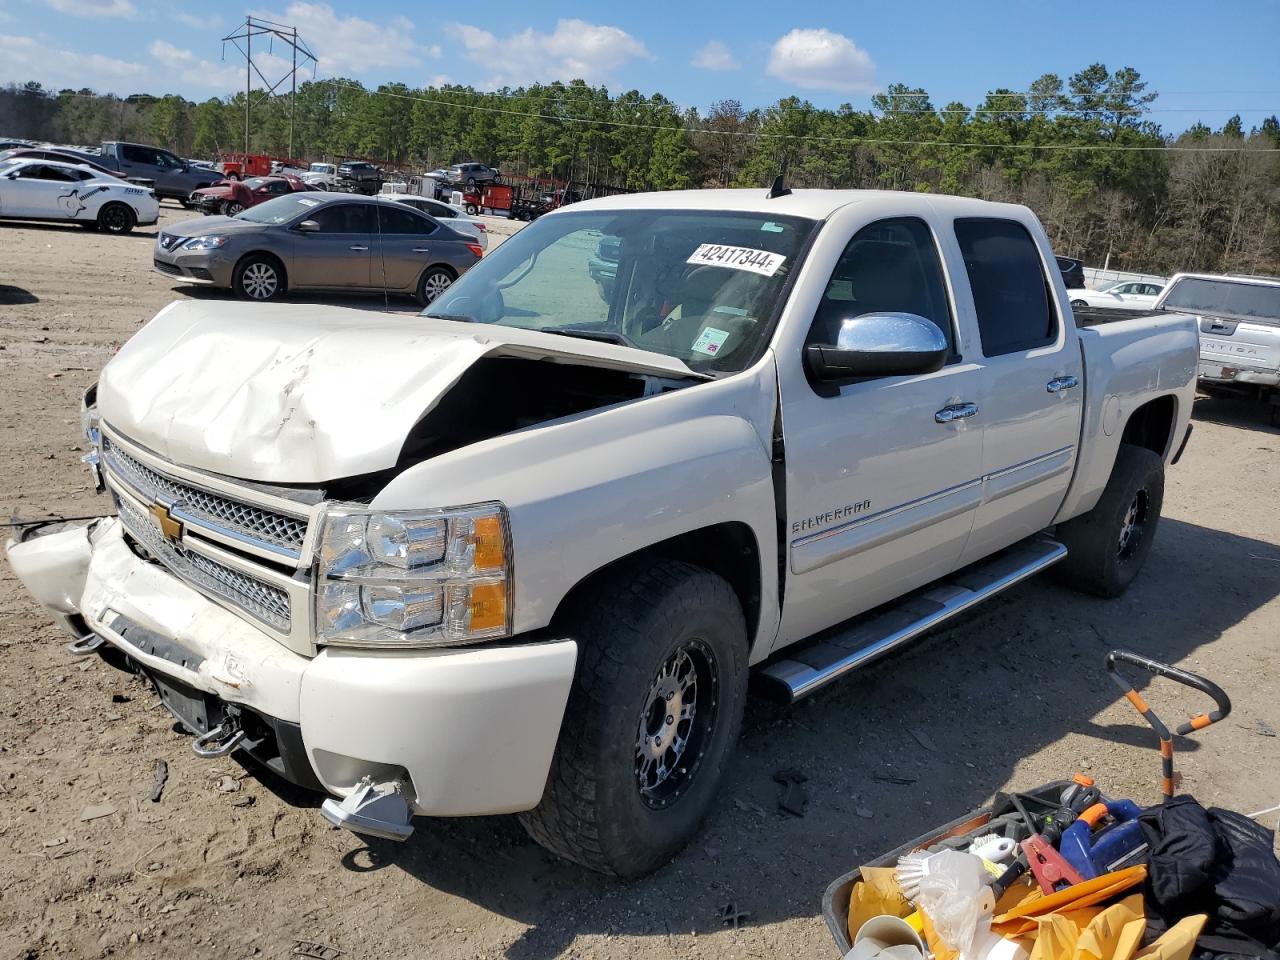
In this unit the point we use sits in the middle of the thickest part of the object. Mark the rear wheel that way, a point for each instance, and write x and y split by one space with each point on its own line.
116 218
435 281
1078 304
654 712
1106 547
258 278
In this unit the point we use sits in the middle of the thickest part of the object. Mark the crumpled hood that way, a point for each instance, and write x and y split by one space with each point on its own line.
301 393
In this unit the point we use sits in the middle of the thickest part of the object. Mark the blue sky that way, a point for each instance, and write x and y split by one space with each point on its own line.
1208 60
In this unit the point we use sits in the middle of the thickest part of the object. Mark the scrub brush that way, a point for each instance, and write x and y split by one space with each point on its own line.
913 868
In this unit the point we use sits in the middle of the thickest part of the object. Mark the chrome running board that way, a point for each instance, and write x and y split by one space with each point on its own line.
809 665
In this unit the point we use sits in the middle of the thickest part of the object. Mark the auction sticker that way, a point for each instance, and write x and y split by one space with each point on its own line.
710 341
737 258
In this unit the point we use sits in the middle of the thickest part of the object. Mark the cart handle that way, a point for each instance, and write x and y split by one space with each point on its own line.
1198 722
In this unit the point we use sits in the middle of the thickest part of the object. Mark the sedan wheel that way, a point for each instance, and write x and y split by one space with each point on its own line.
231 208
115 218
434 282
1078 304
258 279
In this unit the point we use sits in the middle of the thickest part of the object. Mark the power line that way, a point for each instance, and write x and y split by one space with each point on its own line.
866 141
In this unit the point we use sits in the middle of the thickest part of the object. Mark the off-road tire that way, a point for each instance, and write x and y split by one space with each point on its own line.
249 280
628 629
116 218
1100 559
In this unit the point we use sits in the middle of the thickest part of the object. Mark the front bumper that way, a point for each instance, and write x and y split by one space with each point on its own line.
470 730
206 267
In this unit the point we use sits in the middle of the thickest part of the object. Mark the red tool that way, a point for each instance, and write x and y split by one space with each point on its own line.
1048 865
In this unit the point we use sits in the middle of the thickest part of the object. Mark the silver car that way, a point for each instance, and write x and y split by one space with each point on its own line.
313 241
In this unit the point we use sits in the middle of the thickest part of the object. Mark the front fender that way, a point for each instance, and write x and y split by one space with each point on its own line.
585 491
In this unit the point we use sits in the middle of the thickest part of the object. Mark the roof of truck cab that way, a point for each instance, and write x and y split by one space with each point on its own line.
813 204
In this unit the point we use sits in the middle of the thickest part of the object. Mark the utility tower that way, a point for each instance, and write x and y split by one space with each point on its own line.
272 31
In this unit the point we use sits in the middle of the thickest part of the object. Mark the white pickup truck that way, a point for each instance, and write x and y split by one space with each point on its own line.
1239 321
522 554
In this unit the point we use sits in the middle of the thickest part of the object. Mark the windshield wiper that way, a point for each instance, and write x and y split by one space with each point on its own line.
604 336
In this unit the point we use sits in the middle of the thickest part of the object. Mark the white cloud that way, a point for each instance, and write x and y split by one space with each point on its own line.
24 58
715 56
94 8
202 22
574 50
352 45
218 77
822 60
439 80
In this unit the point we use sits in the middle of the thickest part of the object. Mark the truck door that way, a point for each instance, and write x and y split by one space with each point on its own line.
882 475
1032 382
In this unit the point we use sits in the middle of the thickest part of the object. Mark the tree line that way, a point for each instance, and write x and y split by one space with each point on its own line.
1084 153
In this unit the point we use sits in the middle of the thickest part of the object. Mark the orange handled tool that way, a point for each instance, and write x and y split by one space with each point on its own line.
1198 722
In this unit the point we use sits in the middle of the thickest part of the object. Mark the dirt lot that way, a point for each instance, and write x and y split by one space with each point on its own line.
233 864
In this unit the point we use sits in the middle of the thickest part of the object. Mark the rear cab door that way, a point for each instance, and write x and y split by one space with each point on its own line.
1031 370
404 246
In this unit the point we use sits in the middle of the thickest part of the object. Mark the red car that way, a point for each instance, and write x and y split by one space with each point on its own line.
229 197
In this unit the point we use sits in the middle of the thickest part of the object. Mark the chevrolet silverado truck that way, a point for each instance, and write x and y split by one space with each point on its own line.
523 554
1239 320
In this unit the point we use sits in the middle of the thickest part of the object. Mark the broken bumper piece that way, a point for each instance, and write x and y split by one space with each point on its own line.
373 809
463 732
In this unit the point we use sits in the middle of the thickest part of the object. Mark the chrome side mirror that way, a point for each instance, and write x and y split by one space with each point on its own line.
880 345
309 226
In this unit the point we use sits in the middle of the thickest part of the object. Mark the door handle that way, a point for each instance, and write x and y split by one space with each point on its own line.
956 411
357 247
421 250
1058 384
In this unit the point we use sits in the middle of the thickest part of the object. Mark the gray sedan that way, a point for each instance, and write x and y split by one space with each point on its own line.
333 242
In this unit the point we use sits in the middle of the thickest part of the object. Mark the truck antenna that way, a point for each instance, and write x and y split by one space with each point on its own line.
778 190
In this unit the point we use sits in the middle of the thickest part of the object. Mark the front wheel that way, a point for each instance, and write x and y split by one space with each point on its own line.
435 281
258 278
1106 547
116 218
655 709
231 207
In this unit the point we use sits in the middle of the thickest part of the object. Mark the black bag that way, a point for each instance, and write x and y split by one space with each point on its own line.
1218 863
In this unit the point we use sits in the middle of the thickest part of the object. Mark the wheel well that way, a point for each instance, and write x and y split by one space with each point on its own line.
266 255
1151 425
117 203
439 266
727 549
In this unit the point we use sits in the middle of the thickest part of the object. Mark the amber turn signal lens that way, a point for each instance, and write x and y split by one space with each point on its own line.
488 606
491 548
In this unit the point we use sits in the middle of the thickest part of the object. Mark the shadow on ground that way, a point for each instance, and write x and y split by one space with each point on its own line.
1018 674
1245 412
16 296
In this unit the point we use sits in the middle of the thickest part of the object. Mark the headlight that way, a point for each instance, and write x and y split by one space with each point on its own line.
421 578
205 243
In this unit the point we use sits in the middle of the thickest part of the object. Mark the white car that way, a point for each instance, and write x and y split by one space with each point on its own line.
455 217
323 176
1125 295
51 190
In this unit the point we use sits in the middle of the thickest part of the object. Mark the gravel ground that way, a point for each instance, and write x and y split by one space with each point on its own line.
232 863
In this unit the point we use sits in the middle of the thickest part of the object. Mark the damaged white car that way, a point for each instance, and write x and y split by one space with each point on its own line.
522 554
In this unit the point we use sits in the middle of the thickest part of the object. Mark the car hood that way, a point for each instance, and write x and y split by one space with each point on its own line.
223 191
204 226
299 393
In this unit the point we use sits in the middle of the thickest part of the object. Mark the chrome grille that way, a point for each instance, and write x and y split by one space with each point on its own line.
258 525
267 602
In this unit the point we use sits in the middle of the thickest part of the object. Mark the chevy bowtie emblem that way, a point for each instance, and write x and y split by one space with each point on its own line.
170 528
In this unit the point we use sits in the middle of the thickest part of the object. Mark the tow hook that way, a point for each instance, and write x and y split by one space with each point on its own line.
373 809
219 741
83 646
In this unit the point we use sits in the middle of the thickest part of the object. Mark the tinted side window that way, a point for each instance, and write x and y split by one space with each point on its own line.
1010 293
888 266
345 218
139 155
403 220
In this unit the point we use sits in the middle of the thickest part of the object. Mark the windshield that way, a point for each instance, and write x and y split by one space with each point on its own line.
700 286
253 183
321 168
1226 298
278 210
